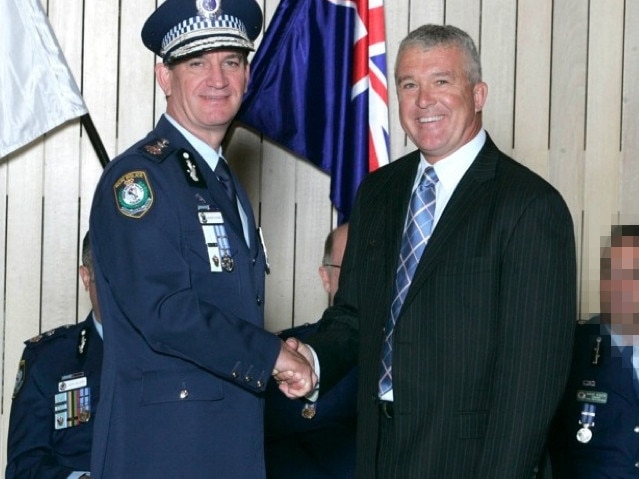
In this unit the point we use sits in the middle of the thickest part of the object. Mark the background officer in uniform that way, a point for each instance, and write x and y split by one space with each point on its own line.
596 431
180 270
49 436
306 440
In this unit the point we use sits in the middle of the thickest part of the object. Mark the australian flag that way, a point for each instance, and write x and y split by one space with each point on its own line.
318 88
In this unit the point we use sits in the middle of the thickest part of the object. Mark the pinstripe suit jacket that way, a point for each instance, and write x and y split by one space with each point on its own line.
482 346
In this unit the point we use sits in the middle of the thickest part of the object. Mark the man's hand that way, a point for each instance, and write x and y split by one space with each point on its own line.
294 370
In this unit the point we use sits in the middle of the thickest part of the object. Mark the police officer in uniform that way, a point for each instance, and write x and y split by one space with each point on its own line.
56 396
180 269
314 440
596 431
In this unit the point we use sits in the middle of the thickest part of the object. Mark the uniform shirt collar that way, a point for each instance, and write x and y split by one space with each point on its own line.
209 154
98 325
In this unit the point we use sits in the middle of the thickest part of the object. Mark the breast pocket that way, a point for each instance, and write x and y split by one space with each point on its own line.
185 385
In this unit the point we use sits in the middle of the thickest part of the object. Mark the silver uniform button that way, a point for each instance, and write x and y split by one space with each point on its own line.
184 393
636 429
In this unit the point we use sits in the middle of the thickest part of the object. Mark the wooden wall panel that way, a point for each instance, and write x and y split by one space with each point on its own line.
277 217
568 107
22 262
630 119
313 221
397 27
603 130
135 76
562 99
532 84
497 44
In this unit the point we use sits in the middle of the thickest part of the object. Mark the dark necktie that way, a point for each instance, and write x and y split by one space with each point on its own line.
223 173
418 227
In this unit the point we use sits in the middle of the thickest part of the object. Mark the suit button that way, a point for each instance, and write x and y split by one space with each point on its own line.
184 393
248 379
259 301
636 429
259 384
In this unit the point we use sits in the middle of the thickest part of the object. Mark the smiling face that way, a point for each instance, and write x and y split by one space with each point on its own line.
205 92
439 109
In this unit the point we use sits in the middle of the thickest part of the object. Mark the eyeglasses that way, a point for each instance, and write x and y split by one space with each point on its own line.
332 265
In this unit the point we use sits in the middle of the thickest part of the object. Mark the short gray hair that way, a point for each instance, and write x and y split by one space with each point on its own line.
431 36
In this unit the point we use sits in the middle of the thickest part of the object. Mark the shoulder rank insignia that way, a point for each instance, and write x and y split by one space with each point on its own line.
19 378
156 149
38 337
133 194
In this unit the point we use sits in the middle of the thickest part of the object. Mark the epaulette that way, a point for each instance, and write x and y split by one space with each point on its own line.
156 149
48 335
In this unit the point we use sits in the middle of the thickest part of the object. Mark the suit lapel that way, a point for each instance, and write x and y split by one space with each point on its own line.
458 210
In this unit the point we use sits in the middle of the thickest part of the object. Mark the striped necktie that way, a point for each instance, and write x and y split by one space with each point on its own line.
419 224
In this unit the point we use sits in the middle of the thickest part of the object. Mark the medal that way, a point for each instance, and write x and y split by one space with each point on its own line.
584 435
587 421
227 263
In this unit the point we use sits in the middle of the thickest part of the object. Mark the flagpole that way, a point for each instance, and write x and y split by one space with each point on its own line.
95 139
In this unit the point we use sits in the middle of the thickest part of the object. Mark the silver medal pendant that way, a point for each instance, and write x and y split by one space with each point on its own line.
584 435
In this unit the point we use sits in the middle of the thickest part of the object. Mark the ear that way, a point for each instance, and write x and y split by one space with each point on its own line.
248 77
85 275
163 77
325 277
480 92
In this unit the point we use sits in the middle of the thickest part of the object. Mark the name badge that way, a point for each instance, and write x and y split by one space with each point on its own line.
216 241
596 397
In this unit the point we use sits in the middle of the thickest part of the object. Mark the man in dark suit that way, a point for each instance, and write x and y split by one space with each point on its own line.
180 270
478 350
596 431
314 440
49 432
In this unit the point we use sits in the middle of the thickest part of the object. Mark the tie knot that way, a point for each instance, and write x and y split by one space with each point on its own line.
222 170
429 178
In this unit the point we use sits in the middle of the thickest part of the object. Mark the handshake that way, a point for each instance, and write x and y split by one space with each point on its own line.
295 369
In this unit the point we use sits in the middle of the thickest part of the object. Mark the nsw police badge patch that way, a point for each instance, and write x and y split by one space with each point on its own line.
133 194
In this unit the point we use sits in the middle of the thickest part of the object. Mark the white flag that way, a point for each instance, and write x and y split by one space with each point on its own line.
37 90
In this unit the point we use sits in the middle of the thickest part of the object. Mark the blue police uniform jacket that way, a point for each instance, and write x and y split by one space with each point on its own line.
602 384
42 444
186 358
319 447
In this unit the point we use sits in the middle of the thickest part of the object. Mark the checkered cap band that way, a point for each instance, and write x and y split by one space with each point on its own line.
197 26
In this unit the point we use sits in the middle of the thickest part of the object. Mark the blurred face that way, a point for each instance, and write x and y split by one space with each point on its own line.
330 273
89 285
204 93
620 292
439 110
